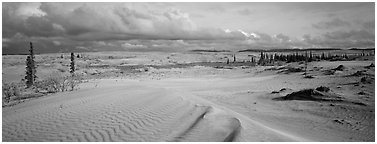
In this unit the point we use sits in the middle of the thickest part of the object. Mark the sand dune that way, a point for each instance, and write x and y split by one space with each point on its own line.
132 111
115 114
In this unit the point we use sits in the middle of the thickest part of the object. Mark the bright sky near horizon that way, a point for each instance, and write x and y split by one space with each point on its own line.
57 27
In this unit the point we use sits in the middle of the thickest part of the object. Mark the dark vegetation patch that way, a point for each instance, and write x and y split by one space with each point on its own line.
281 90
366 80
359 103
340 68
332 71
359 73
361 93
329 72
288 70
323 89
370 66
309 76
294 69
310 95
274 92
319 94
274 68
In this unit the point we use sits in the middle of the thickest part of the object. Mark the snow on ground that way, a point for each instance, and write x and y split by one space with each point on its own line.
202 104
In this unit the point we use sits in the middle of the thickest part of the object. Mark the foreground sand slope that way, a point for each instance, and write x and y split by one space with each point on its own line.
127 111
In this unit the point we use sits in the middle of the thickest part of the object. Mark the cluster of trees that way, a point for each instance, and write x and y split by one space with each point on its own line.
266 58
31 77
234 59
54 83
307 56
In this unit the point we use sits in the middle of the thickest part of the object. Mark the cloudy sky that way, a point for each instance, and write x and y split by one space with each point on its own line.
61 27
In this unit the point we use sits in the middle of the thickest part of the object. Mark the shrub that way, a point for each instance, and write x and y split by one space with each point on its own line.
54 83
57 82
10 90
74 80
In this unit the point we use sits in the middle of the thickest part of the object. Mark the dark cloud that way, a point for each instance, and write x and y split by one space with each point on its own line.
64 27
96 22
32 25
334 23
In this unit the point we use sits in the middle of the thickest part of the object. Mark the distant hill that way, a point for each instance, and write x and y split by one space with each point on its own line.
362 49
289 50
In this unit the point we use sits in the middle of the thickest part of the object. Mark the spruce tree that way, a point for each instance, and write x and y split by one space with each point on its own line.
72 69
261 59
30 68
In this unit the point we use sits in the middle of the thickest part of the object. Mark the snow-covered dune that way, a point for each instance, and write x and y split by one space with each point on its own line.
136 113
129 111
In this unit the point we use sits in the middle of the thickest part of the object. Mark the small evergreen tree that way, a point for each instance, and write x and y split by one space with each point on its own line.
261 59
72 69
30 68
